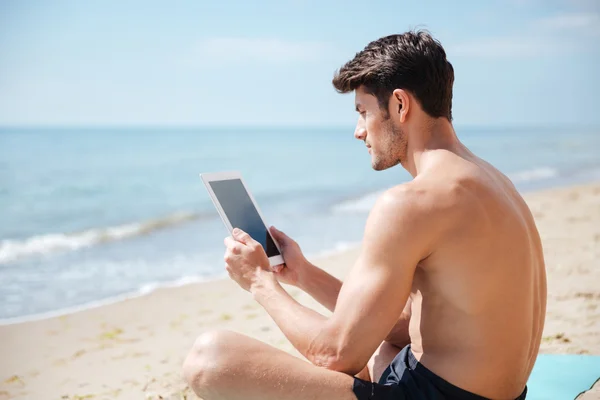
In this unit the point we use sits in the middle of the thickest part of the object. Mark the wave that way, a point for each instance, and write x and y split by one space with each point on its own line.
142 291
183 281
534 174
147 288
338 248
361 204
365 203
11 250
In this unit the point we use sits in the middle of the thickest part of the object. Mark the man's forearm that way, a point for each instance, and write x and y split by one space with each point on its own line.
325 289
299 324
321 286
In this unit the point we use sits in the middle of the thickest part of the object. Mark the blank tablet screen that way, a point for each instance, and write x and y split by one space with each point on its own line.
241 213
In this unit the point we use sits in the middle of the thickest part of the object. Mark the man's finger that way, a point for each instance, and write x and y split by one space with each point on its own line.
231 243
278 268
230 271
233 246
282 239
277 235
242 236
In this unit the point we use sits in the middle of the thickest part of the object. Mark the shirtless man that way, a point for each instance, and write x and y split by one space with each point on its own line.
448 296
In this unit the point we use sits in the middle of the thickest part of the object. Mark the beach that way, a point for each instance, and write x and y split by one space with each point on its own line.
134 349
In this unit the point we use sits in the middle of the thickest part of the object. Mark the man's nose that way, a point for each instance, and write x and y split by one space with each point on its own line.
360 132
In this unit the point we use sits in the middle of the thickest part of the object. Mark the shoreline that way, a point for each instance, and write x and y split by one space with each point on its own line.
61 312
135 347
182 281
43 243
144 291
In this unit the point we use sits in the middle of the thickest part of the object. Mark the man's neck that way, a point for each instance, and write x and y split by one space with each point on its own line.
425 136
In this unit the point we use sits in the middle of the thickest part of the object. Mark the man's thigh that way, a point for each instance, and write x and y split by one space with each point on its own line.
233 366
379 361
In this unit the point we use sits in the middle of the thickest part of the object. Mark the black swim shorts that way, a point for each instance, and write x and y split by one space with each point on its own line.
406 378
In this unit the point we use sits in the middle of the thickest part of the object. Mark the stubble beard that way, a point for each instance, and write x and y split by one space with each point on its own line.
392 150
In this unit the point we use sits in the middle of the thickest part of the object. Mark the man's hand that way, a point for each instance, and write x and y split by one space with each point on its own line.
296 266
246 261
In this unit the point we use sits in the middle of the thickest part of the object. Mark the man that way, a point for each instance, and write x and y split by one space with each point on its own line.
447 298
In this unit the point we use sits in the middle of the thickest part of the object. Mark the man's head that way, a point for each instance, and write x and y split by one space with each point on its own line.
400 81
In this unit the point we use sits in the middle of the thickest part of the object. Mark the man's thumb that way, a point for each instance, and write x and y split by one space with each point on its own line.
279 236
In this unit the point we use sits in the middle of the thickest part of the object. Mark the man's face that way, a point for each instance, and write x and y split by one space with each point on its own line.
380 131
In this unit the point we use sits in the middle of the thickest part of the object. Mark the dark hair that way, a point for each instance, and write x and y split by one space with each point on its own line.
413 61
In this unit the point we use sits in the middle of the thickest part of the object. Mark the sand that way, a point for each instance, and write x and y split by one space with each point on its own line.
134 349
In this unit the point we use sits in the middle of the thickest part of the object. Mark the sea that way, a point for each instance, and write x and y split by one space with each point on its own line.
90 216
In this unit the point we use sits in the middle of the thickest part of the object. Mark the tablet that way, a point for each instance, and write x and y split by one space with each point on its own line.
238 209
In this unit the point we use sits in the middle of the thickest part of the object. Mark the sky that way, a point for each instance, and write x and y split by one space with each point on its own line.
270 63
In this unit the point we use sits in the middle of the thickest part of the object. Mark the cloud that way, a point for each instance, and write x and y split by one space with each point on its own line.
582 5
560 34
588 5
226 50
504 47
579 23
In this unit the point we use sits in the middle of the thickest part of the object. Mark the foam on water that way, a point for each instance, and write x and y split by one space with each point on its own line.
11 250
365 203
533 174
142 291
78 226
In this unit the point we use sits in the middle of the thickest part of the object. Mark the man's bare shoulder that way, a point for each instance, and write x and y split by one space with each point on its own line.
420 207
399 227
402 201
424 199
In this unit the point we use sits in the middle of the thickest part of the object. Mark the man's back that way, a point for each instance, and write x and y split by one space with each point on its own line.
478 301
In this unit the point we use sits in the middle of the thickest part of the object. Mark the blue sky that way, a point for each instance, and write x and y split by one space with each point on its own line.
188 63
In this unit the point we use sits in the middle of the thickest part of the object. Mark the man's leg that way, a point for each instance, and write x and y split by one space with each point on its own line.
228 365
379 361
386 351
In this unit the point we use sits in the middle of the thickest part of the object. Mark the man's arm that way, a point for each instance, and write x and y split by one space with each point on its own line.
321 286
299 272
325 289
399 335
399 233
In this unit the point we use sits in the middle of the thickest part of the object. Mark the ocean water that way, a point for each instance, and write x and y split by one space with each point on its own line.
94 215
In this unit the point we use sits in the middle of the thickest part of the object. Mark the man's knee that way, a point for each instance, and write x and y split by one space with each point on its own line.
207 360
389 348
381 359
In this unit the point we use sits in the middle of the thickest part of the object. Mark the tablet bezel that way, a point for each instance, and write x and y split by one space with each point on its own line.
229 175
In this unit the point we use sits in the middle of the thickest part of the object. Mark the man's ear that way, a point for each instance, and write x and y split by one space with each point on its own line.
401 101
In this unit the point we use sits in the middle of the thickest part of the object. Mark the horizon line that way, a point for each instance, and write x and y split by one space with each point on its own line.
257 126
